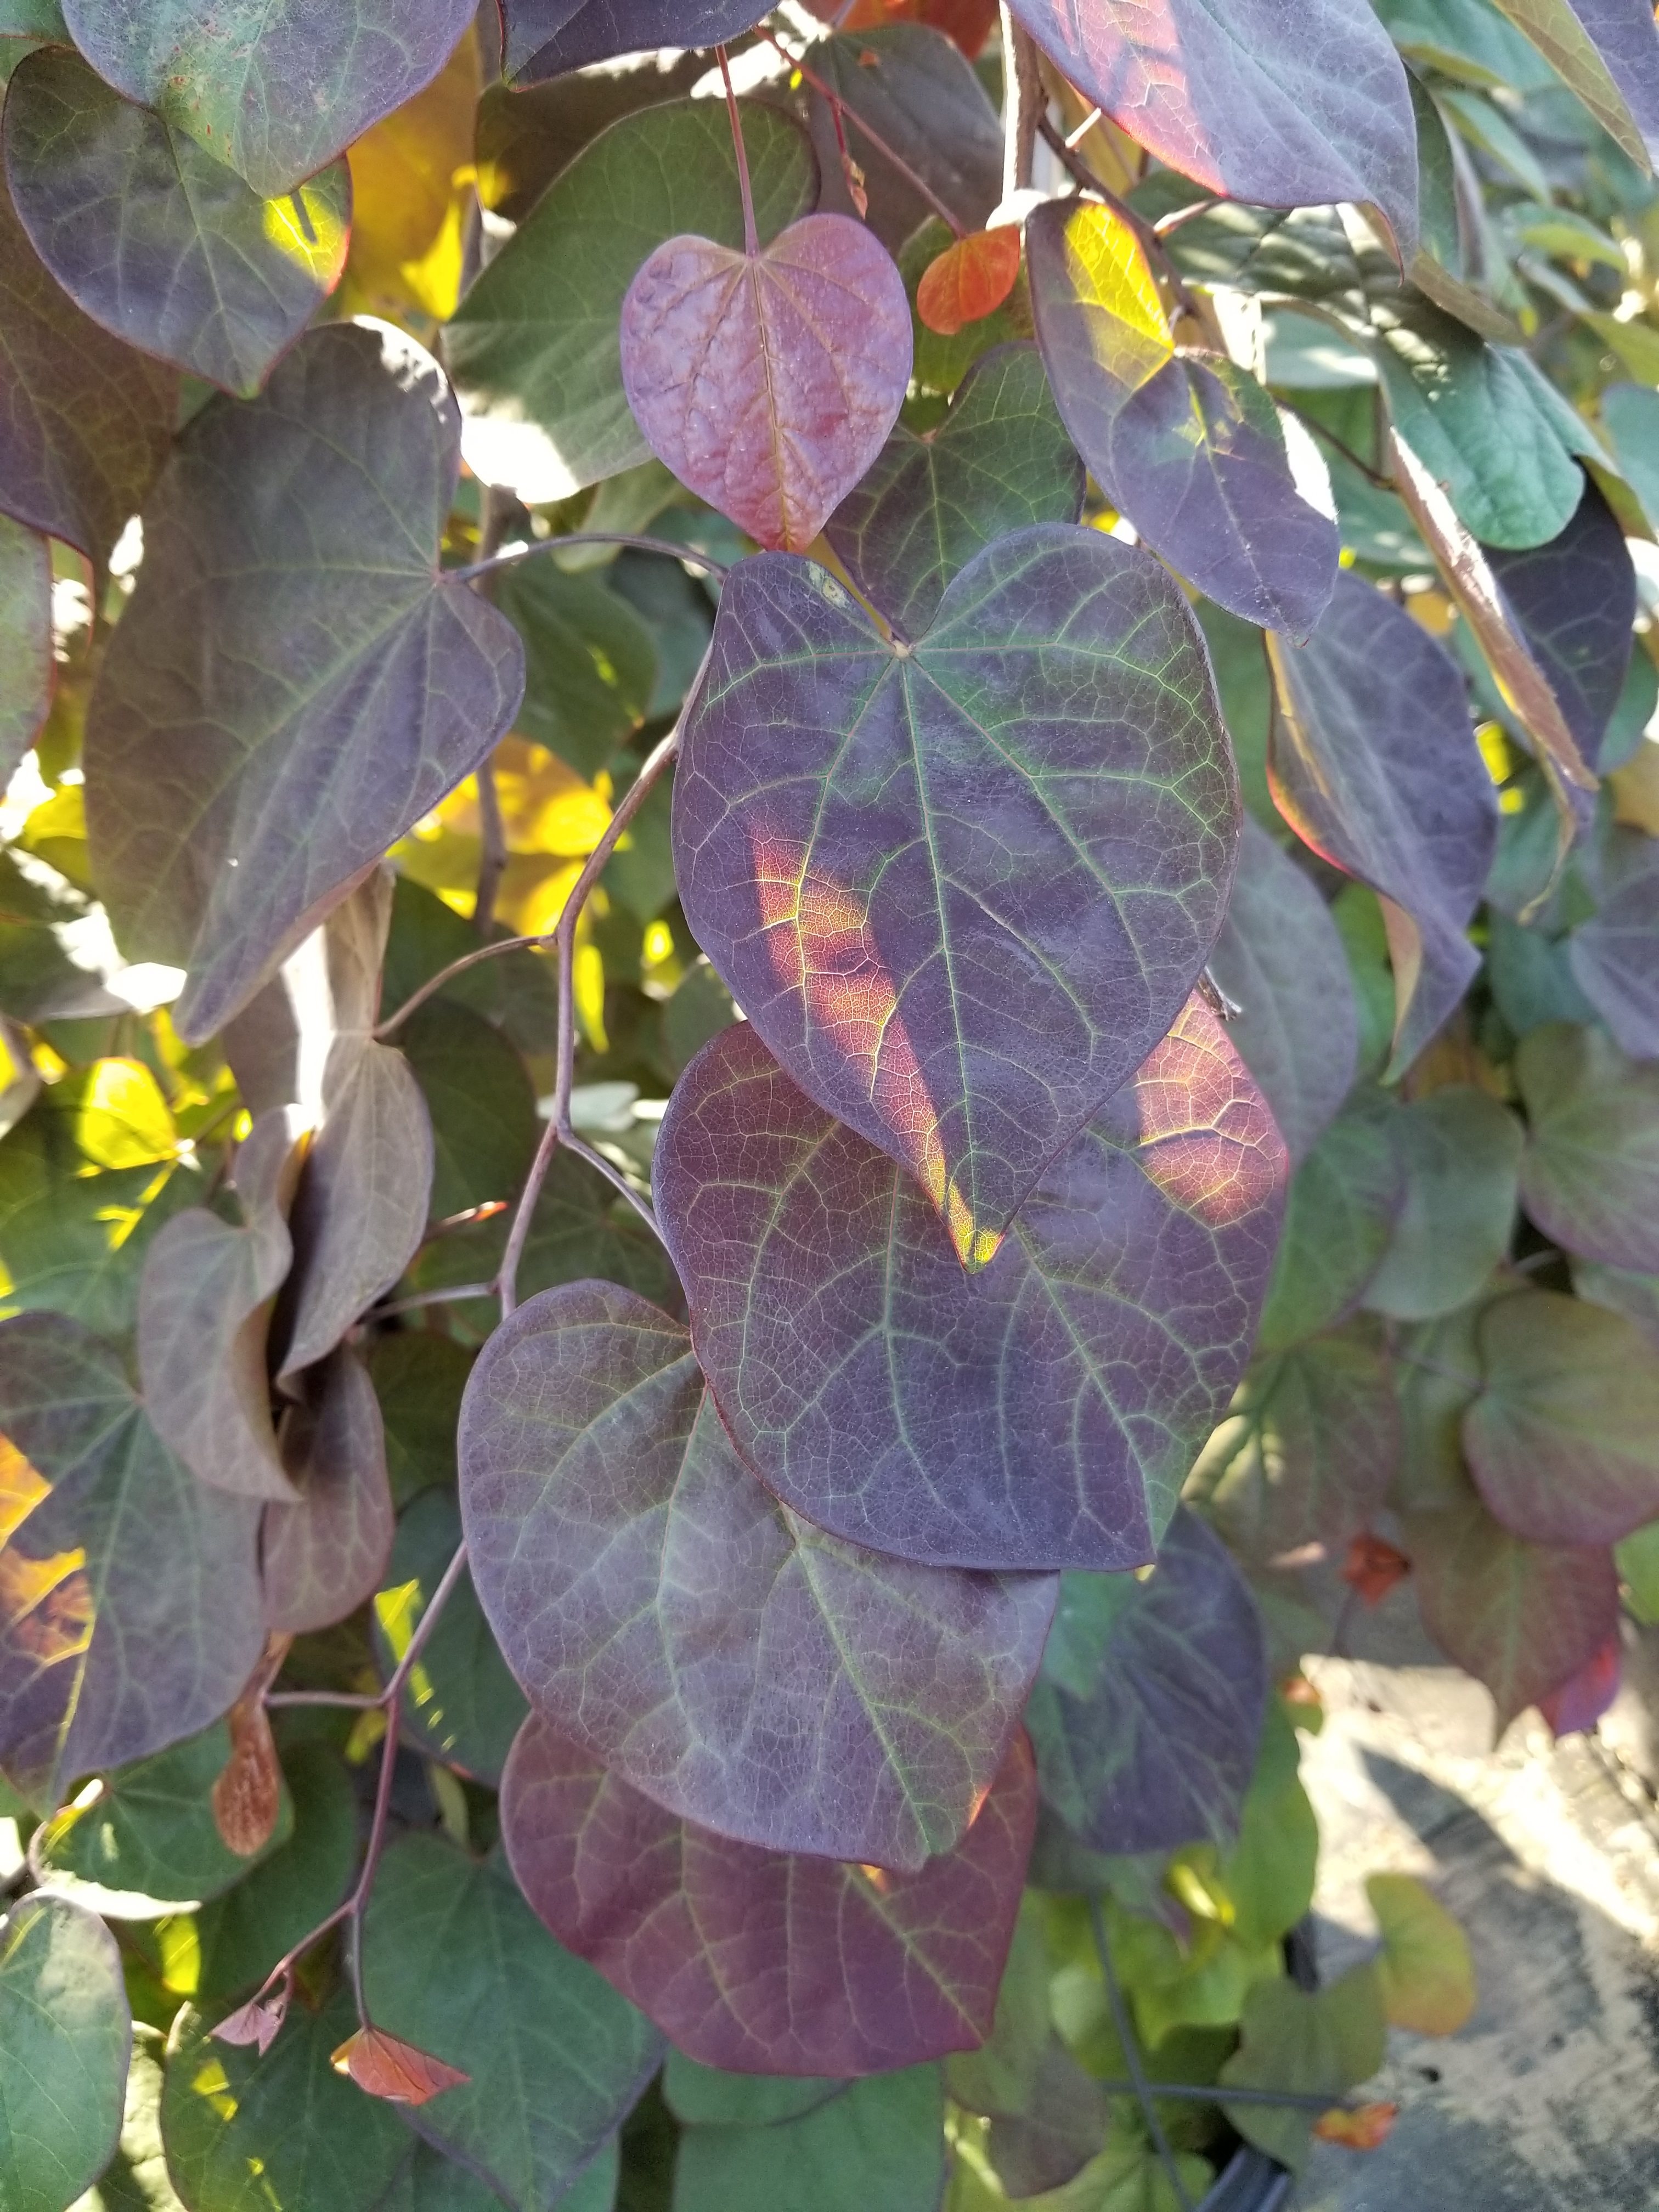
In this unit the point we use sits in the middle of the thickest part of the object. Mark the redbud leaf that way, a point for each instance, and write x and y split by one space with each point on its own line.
84 420
320 1557
1460 1151
383 2065
26 661
590 662
752 1959
546 38
963 996
455 1961
155 237
922 96
1425 1970
258 2021
429 2182
248 1795
1280 961
67 2034
1147 1713
130 1609
1560 1442
613 1530
1373 763
1630 416
1521 1618
333 685
275 93
1248 101
482 1104
768 381
534 348
1608 52
1040 1413
999 461
1614 956
1576 1707
1339 1215
1589 1175
879 2142
1310 2043
243 1933
970 279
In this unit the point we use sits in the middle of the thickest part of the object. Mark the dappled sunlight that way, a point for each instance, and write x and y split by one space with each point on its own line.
1207 1139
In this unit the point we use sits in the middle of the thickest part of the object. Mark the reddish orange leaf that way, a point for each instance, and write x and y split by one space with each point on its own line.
970 279
256 2022
1373 1566
1362 2129
248 1795
386 2067
967 23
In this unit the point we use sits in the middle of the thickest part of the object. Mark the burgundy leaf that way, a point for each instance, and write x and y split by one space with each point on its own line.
247 1797
258 2021
768 381
1291 107
1576 1707
322 1557
386 2067
1040 1413
546 38
1622 93
754 1961
1373 764
738 1665
971 892
1589 1174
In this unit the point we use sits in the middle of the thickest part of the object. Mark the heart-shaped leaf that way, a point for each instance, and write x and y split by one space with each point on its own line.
26 661
1425 1970
547 38
999 461
334 687
130 1609
155 237
665 1614
455 1962
754 1959
970 279
1614 956
1187 447
1147 1711
1339 1218
84 420
1311 2043
277 92
1280 961
1560 1442
1459 1149
1042 1413
965 901
534 349
204 1305
768 380
320 1558
383 2066
67 2034
1373 764
1255 103
1630 423
1589 1175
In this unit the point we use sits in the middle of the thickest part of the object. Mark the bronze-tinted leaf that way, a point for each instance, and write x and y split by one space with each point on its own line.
386 2067
768 380
292 661
973 891
257 2022
754 1961
724 1656
320 1558
1040 1413
247 1797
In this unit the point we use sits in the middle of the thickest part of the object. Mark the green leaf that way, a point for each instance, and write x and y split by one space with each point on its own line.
1340 1214
419 1377
243 2133
533 348
137 2180
482 1105
66 2034
1462 1152
879 2142
155 239
1589 1175
130 1612
1000 2077
428 2182
706 2096
26 662
455 1961
240 1935
1555 29
1329 2041
1630 422
590 661
1426 1974
1268 1875
1637 1559
334 685
146 1843
461 1704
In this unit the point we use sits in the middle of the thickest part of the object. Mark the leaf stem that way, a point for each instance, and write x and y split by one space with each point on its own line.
1024 103
689 554
1126 2036
826 91
433 984
751 235
442 1297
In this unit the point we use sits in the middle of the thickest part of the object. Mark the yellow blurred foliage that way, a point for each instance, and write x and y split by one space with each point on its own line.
411 179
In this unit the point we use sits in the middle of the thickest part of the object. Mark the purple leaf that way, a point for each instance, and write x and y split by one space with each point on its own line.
204 1307
756 1961
545 38
768 381
1040 1413
1147 1711
129 1607
277 92
1062 2128
1280 961
1589 1175
155 238
922 96
26 658
730 1660
971 892
292 656
323 1556
1614 956
1373 764
1561 1439
1291 108
84 420
999 461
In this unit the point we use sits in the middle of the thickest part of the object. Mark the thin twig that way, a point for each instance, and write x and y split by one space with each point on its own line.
1126 2036
583 1151
433 984
1190 2092
1024 102
689 554
827 91
351 1699
419 1298
751 235
1336 444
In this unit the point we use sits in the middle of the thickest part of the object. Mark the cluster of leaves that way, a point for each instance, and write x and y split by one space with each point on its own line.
595 1597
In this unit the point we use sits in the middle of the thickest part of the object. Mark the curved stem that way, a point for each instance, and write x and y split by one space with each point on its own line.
433 984
750 236
440 1297
689 554
596 1159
